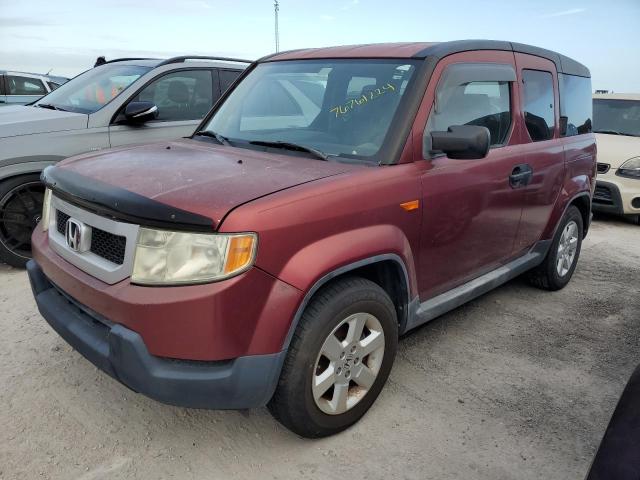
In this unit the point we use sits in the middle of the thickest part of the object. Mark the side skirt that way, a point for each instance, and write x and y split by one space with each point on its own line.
420 313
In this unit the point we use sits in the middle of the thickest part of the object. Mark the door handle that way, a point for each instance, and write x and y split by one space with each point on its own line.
521 175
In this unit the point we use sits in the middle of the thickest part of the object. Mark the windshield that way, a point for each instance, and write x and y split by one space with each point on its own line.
93 89
616 116
341 108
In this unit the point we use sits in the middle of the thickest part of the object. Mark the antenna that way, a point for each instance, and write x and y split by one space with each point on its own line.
276 8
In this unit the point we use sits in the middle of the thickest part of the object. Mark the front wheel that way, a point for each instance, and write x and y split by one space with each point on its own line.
558 266
339 358
20 211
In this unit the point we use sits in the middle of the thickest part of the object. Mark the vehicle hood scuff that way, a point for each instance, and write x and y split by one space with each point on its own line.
202 178
20 120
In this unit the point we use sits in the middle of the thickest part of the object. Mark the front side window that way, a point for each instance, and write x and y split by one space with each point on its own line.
17 85
93 89
184 95
616 117
227 77
481 103
343 108
538 104
575 105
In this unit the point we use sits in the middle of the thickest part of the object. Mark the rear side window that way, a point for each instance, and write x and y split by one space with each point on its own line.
538 104
17 85
486 104
575 105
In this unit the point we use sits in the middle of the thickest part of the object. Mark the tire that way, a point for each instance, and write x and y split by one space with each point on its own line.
635 219
20 211
333 312
549 275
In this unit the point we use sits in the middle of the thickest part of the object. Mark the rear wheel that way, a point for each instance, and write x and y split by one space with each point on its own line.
557 268
20 211
339 358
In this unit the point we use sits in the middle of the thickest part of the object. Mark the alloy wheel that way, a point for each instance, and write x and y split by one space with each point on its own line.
567 248
348 363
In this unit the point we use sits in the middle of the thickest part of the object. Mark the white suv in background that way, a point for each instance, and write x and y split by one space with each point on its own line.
18 88
119 103
616 122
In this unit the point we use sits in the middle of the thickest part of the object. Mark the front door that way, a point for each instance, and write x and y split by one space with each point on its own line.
183 98
471 209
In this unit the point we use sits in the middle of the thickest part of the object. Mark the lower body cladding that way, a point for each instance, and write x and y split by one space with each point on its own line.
244 382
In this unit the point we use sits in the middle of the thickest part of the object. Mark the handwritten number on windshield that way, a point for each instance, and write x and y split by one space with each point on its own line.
362 100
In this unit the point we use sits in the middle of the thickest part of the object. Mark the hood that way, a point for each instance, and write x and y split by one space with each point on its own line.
21 120
616 149
198 177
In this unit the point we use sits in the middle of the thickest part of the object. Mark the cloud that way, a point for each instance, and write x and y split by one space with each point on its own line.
350 4
564 13
23 22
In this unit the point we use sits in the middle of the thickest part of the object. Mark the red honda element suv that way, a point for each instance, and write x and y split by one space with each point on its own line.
332 200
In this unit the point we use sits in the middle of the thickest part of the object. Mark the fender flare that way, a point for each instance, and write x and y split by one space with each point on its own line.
564 212
340 271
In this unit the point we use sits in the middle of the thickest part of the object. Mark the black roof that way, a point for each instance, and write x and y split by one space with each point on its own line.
563 63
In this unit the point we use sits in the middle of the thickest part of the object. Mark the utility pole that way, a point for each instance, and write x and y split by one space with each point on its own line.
276 8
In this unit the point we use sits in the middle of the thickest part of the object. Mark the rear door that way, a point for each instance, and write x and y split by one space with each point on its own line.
183 98
22 89
470 210
542 146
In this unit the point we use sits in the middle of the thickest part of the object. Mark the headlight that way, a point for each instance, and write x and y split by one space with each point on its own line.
169 258
630 168
46 208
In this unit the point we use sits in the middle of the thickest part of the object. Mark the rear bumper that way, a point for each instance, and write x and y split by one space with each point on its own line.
244 382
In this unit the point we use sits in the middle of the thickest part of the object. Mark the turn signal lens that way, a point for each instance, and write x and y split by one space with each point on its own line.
239 253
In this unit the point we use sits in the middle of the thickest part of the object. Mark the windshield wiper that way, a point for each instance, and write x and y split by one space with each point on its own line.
50 107
220 138
292 146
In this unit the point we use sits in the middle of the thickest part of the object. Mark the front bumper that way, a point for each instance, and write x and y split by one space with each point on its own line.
244 382
617 195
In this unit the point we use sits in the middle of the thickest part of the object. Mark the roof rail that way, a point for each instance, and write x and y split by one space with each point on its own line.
124 59
184 58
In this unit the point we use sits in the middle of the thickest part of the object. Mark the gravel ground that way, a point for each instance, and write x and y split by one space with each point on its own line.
517 384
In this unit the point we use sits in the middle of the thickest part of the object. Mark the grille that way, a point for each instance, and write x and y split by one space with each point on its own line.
108 246
603 167
61 222
603 195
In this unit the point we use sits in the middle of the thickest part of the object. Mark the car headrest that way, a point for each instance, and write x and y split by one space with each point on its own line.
178 92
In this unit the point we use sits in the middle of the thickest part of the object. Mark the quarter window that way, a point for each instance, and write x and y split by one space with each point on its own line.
575 105
24 86
485 104
184 95
539 104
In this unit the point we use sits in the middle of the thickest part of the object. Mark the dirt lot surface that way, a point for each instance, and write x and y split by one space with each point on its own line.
517 384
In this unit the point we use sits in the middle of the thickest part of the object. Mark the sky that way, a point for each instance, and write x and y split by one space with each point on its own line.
65 36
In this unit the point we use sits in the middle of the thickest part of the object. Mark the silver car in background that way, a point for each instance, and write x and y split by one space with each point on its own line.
20 88
119 103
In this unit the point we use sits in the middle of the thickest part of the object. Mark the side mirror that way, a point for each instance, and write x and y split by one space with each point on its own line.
140 112
462 142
